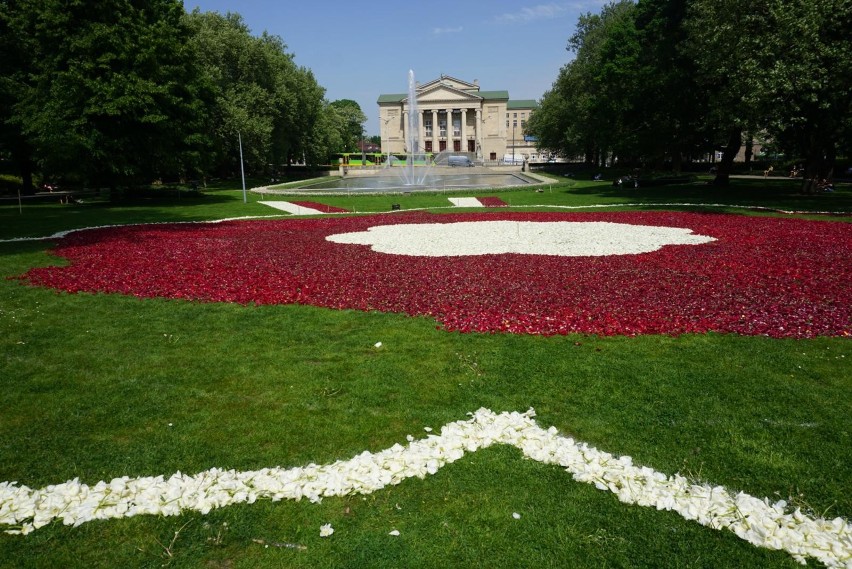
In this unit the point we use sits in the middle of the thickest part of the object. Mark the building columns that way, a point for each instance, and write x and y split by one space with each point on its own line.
464 130
405 131
421 131
436 131
478 134
450 129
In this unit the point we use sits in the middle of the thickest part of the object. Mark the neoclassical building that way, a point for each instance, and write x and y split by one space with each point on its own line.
458 116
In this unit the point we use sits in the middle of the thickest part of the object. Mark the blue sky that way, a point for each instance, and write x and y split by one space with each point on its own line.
360 50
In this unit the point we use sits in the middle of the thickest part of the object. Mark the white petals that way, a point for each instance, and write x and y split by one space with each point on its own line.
563 238
755 520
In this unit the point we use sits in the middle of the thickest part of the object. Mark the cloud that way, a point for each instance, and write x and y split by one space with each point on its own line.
441 31
548 11
540 12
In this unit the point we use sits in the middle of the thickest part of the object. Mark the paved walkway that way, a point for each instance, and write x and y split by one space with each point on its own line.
295 209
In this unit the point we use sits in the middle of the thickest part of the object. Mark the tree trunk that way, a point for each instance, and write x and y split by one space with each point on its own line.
819 154
22 156
677 161
723 168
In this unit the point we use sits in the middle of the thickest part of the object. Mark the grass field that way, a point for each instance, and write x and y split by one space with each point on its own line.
102 386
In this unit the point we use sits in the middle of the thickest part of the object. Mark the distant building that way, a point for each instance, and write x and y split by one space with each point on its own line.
458 116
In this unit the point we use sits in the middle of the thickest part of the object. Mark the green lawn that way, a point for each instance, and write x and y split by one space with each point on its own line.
102 386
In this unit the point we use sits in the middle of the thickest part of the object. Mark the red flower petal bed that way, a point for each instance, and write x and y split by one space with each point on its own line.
492 201
762 276
325 208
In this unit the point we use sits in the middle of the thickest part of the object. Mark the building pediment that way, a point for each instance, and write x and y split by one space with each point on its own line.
451 82
444 93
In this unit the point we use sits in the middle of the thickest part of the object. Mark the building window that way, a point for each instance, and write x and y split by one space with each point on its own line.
507 123
516 116
442 126
457 126
427 124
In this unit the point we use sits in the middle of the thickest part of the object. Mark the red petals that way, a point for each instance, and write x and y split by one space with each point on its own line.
321 207
762 276
492 202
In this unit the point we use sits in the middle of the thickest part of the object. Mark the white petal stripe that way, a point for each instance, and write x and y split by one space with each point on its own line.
755 520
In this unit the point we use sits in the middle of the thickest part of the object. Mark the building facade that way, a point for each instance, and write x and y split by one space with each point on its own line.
457 116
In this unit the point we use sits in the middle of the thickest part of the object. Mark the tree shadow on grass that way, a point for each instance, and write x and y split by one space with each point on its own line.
43 219
773 194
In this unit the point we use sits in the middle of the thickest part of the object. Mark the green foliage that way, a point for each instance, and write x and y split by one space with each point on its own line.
674 79
109 97
352 123
584 112
259 95
123 93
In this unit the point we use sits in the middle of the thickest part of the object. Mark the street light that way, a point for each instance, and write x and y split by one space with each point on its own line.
514 124
386 137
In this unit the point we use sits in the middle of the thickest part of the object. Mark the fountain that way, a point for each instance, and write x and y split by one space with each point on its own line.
420 172
413 139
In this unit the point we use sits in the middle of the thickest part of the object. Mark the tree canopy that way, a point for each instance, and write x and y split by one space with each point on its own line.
127 91
352 119
658 81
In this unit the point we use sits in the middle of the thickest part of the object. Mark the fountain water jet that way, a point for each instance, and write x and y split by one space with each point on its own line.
413 151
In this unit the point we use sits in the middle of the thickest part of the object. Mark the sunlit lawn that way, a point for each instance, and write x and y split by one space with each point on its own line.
101 386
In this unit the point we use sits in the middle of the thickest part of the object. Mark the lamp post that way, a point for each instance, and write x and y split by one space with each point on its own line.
242 168
385 136
514 124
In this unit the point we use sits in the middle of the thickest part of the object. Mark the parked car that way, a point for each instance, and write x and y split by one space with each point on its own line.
459 161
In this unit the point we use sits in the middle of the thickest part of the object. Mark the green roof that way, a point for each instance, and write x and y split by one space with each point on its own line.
522 104
492 94
487 95
393 98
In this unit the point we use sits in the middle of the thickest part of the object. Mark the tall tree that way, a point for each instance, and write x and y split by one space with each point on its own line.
781 64
671 106
15 69
589 109
352 125
110 98
260 95
241 106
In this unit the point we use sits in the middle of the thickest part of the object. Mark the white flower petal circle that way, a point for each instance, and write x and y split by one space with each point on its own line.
563 238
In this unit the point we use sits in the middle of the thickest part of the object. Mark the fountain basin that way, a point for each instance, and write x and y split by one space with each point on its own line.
433 181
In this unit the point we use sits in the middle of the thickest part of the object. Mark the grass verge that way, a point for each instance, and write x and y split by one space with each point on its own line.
100 386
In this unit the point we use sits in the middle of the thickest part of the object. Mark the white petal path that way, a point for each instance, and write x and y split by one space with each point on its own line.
755 520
